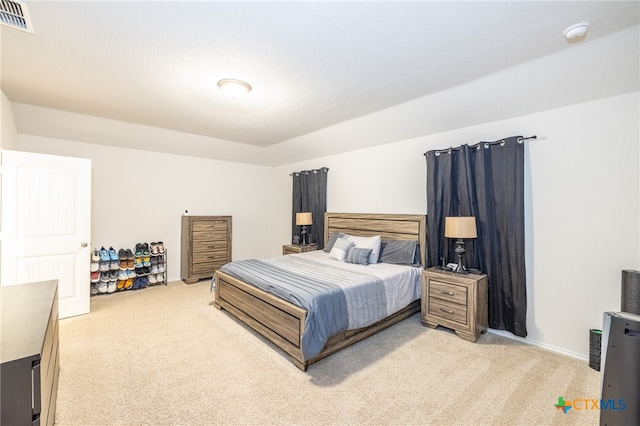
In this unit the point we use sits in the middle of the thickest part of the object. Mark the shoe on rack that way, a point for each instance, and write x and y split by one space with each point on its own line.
104 266
138 262
94 266
139 272
153 248
94 289
160 246
154 269
104 255
146 270
146 262
138 251
128 284
161 267
114 265
112 254
122 275
154 260
95 276
143 282
130 255
102 287
160 278
145 249
95 256
112 286
152 279
131 273
122 254
131 264
120 284
123 264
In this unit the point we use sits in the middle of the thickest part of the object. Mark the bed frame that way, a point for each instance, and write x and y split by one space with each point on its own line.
283 323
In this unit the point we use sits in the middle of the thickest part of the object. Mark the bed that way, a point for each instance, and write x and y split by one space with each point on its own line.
284 322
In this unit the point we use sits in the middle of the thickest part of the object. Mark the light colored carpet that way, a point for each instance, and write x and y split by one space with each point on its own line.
165 356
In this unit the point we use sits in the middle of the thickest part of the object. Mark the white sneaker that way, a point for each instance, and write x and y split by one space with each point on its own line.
152 279
160 278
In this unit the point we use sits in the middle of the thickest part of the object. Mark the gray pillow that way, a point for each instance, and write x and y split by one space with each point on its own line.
399 252
358 255
332 240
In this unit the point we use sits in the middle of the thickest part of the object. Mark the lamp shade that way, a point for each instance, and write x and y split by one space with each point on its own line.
303 218
460 227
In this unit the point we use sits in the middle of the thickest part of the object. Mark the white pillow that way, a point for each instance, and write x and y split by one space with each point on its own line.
372 243
340 249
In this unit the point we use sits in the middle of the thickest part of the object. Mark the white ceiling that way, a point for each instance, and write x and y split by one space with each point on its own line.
311 64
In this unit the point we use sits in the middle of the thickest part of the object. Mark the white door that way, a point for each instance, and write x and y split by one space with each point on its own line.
46 225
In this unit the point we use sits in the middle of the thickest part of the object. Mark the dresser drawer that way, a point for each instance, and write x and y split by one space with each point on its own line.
209 235
448 310
209 256
209 247
206 268
209 225
448 292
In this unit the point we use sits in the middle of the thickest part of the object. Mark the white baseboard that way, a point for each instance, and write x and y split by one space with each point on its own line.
508 335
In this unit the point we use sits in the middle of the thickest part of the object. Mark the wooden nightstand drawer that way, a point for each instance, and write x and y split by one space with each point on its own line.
292 249
448 310
449 292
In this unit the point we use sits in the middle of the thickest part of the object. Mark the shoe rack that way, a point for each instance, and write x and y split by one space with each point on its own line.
128 269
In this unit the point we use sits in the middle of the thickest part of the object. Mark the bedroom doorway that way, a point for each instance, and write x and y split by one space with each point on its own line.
46 225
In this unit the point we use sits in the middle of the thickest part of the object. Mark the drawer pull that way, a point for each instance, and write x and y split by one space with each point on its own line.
448 311
448 293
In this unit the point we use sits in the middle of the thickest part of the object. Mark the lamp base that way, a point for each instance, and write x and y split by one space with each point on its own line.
460 251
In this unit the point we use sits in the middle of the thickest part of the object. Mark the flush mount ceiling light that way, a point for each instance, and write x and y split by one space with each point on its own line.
235 89
577 30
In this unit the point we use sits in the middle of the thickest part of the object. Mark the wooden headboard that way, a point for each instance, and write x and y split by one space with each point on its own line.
388 226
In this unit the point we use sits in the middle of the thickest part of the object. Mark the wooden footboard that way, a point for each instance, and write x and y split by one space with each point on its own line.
279 321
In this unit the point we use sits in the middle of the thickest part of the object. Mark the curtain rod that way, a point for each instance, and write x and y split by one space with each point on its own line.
321 169
485 144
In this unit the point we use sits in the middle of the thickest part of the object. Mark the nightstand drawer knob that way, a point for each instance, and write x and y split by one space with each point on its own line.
449 293
449 311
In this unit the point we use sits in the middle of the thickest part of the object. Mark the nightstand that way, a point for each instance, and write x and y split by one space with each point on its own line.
455 301
294 248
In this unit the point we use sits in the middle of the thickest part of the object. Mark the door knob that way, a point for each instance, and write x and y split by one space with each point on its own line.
83 245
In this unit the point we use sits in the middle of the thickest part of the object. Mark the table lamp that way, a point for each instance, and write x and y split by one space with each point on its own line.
460 227
303 219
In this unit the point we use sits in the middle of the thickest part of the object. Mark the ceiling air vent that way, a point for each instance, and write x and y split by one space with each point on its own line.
15 14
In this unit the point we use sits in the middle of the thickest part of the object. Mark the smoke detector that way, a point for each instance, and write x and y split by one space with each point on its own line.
14 13
577 30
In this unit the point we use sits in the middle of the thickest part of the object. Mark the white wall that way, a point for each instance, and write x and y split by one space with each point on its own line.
140 196
582 204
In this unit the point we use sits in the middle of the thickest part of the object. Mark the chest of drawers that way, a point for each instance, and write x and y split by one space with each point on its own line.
455 301
205 246
30 360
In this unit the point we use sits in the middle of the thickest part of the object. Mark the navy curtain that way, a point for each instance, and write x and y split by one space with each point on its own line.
485 180
310 195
